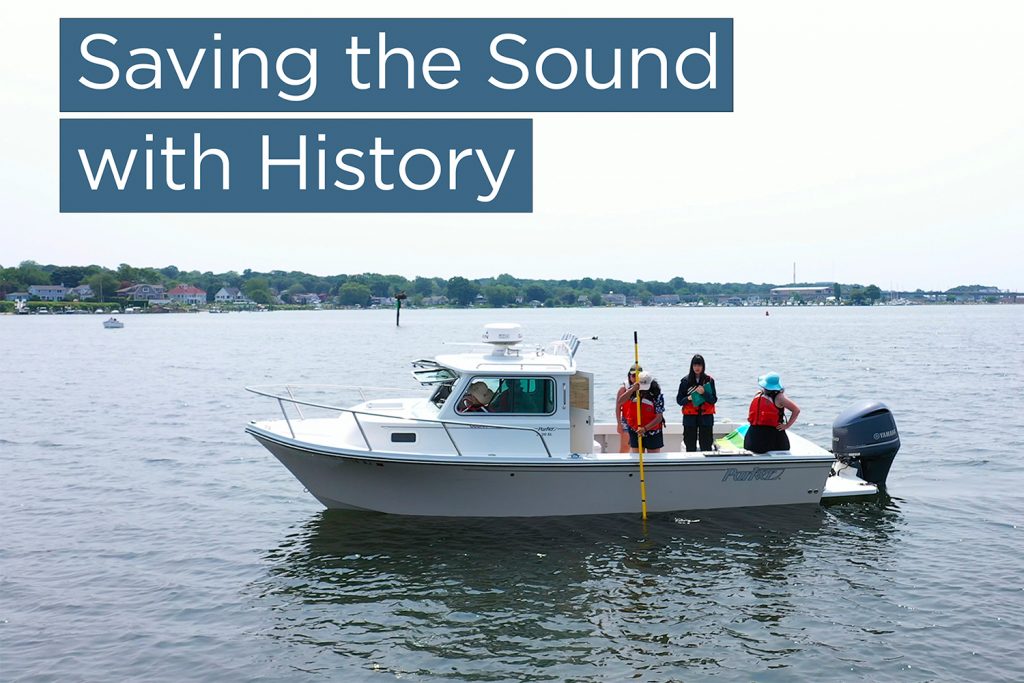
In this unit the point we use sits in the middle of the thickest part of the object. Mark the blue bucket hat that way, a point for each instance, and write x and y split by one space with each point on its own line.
770 381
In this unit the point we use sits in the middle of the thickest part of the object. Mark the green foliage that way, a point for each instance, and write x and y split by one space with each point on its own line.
258 289
536 293
500 296
104 285
354 294
356 289
462 291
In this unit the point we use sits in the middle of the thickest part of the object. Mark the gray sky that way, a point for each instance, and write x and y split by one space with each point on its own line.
874 142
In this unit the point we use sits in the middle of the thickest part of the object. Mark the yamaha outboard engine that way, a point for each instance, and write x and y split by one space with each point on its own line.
865 437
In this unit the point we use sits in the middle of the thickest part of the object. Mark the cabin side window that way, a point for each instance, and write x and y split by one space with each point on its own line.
509 396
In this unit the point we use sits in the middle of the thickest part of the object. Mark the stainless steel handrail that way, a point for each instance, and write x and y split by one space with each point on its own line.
391 416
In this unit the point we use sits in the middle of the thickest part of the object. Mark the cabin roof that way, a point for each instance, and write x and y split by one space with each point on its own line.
516 362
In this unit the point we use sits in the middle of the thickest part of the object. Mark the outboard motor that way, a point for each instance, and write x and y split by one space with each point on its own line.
865 437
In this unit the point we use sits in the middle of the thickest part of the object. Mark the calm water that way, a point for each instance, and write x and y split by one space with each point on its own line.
144 536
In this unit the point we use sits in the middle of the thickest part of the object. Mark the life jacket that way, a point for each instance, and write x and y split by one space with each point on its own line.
764 413
704 408
647 412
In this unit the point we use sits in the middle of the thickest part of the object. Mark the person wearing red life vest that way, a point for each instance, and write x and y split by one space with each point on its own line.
697 396
652 407
621 396
767 416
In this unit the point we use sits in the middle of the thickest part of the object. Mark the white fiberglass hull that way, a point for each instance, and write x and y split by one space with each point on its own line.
459 486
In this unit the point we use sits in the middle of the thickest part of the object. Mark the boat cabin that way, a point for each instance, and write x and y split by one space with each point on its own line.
507 400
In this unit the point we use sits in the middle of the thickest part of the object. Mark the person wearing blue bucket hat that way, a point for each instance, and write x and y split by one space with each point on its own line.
767 416
770 381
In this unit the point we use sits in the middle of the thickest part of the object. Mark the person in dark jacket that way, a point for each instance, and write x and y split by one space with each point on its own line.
697 396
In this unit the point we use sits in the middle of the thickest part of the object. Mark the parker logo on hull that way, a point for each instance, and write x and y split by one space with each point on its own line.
758 473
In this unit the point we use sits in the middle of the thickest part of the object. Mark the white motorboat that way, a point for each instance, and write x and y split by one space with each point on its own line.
528 446
113 324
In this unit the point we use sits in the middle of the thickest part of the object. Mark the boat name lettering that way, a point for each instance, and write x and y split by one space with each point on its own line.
758 473
885 435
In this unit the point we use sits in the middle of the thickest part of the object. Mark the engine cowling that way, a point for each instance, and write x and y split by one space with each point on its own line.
865 436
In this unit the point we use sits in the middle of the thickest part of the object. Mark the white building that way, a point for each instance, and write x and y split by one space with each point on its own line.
231 295
48 292
187 295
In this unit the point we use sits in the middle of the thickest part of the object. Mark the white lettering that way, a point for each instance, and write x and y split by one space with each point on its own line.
154 82
120 177
428 67
616 80
309 77
355 52
198 154
709 55
495 182
573 68
403 172
524 73
115 73
300 162
384 54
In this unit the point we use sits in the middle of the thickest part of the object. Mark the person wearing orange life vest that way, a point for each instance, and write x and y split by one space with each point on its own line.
621 396
767 416
697 395
652 408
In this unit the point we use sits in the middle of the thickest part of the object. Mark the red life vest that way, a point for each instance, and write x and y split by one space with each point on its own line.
763 412
703 409
647 413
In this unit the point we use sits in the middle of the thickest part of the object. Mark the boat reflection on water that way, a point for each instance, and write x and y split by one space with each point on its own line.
561 595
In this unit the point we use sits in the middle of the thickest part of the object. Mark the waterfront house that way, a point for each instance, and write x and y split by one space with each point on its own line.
231 295
81 292
612 299
143 292
187 295
48 292
307 299
435 301
665 299
18 296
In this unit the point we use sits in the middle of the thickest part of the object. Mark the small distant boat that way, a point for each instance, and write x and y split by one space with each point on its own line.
113 324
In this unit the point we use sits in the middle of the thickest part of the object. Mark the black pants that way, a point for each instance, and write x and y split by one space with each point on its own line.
698 427
763 439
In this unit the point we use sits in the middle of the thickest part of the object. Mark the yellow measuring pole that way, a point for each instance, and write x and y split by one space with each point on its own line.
639 436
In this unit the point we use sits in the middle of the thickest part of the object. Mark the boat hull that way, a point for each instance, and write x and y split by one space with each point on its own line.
456 486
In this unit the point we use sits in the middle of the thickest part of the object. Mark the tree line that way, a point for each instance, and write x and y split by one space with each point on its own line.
352 290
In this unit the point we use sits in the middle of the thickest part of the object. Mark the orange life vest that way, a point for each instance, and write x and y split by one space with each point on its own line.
647 412
763 412
703 409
